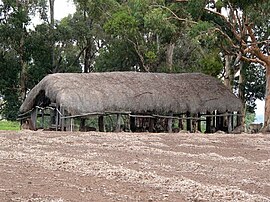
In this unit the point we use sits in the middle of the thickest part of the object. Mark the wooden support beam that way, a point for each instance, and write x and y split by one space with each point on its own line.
82 124
214 119
194 125
68 124
101 124
57 118
33 120
62 121
170 121
199 127
71 125
152 125
188 121
132 123
180 123
229 123
118 124
208 123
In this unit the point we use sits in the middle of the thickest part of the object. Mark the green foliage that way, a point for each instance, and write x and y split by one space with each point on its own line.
9 125
211 64
255 84
119 56
196 8
9 69
250 118
116 35
122 24
157 21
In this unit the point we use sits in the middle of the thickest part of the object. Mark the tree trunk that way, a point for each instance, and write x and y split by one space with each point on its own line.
23 64
87 56
169 56
23 78
241 89
228 80
55 69
266 127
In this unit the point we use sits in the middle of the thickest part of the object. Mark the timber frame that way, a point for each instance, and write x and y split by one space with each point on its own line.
60 120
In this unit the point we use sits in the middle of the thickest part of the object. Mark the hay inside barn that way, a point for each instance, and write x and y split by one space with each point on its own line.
74 95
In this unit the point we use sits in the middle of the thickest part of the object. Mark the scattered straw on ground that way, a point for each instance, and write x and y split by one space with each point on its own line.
56 167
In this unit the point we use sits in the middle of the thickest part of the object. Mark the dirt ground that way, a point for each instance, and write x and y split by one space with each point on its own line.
91 166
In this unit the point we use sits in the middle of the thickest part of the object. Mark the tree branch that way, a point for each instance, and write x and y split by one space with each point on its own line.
254 45
255 60
175 16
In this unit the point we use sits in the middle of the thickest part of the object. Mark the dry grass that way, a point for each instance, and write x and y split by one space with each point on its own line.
133 91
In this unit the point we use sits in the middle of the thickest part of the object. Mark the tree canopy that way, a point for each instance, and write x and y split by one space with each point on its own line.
219 38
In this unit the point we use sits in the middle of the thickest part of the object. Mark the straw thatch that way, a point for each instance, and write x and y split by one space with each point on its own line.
132 91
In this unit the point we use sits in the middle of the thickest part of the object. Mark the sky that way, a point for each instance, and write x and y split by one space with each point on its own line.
65 7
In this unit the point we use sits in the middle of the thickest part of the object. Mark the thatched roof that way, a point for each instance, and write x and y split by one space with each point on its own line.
133 91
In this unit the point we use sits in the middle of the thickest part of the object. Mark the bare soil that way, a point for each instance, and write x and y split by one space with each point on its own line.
61 166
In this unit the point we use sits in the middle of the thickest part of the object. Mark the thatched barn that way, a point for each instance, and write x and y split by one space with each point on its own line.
190 97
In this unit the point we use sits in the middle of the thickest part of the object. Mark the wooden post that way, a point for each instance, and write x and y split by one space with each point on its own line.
118 124
132 122
239 119
218 122
188 121
52 118
82 124
42 119
214 121
180 123
57 118
170 124
68 124
33 119
232 121
208 123
101 124
152 125
71 125
199 123
229 123
194 124
63 121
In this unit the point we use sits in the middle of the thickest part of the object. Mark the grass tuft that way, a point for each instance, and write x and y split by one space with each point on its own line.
9 125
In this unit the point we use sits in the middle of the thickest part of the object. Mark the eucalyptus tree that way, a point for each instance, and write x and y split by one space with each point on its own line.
87 25
243 29
15 19
247 37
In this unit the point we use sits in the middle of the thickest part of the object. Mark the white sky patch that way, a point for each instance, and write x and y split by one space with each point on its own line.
62 8
259 111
